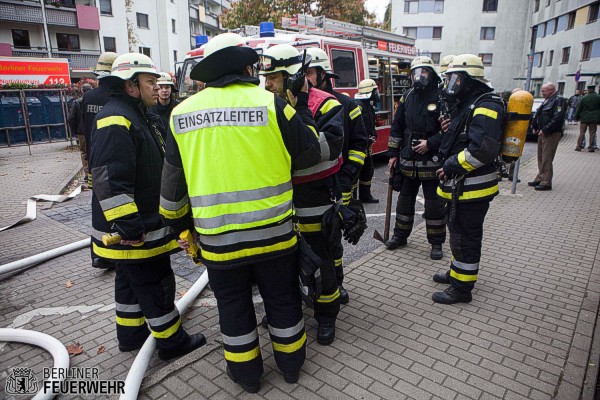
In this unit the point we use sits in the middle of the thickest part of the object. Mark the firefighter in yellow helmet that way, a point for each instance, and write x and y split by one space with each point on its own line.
316 190
231 151
413 150
166 99
468 179
367 97
356 142
126 161
444 62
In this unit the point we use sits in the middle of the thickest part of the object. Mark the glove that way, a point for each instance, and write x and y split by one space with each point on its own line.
311 283
397 180
354 223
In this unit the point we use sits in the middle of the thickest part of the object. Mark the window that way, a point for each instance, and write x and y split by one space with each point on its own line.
194 14
105 7
437 32
566 52
145 50
67 42
410 31
173 26
550 27
550 57
175 55
548 2
571 22
411 7
344 65
110 44
536 6
439 7
486 58
593 14
429 6
562 22
435 57
537 59
561 88
541 31
487 33
142 20
490 5
586 51
20 38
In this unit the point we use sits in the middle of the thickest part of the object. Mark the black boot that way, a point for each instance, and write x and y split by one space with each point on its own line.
291 377
395 242
326 333
101 263
452 296
194 341
369 199
436 252
253 387
442 277
344 297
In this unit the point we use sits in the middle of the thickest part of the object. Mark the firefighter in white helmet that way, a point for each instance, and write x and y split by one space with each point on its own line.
468 179
316 189
166 99
367 97
231 151
126 160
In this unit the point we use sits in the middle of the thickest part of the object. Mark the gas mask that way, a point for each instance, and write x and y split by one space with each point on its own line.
455 82
420 77
375 96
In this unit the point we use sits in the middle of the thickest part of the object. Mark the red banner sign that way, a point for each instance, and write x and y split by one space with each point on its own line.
35 71
397 48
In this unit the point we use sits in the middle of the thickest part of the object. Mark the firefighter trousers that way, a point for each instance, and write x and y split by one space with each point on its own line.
144 297
366 175
277 280
466 235
435 219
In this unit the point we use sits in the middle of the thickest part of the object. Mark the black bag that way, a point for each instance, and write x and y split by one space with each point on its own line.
311 285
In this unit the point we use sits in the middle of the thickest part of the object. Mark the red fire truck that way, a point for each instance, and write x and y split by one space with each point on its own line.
356 52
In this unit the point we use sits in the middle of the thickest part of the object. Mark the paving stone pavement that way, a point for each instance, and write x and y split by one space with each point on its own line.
530 332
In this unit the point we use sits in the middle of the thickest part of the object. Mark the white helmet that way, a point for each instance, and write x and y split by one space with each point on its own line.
282 57
128 65
446 60
467 63
104 63
165 79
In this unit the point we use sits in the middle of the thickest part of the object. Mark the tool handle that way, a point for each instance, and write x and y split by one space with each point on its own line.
388 206
193 250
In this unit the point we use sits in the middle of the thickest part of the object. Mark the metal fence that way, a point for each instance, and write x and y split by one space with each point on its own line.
32 116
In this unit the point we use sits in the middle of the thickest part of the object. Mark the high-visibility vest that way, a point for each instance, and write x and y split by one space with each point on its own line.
238 173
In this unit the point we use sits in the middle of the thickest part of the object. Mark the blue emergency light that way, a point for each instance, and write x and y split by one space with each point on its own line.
267 29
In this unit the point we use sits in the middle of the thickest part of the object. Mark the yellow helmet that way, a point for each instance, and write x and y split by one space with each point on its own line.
421 61
165 79
128 65
365 89
105 62
467 63
445 61
281 57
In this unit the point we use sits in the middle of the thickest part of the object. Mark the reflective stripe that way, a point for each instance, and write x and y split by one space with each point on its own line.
324 144
118 200
226 239
322 166
120 211
167 333
405 218
312 128
466 266
240 340
134 254
312 211
131 321
149 236
174 205
354 113
420 164
164 319
242 195
290 348
128 307
210 256
329 298
436 222
249 217
289 111
287 332
467 161
463 277
329 105
471 194
337 262
114 120
242 357
357 156
310 227
485 111
174 214
491 177
393 139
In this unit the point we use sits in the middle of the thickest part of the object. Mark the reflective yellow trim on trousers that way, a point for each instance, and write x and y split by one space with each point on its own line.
167 333
131 321
485 111
242 357
462 277
249 252
174 214
462 160
134 254
120 211
338 262
114 120
289 111
290 348
310 227
329 298
329 105
470 195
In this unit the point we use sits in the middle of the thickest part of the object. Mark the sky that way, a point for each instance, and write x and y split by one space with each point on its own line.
378 7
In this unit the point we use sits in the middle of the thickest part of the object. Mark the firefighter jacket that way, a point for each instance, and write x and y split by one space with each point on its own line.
550 116
126 160
164 112
417 118
230 152
91 105
356 144
470 147
369 118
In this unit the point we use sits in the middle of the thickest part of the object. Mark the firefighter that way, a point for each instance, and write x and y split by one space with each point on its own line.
316 190
91 104
413 150
230 152
368 97
126 160
444 62
356 143
468 180
166 99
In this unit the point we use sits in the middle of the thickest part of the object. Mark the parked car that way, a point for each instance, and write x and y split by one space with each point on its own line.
536 104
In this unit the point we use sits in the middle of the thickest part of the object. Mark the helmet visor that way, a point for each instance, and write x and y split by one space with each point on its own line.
268 63
455 82
420 76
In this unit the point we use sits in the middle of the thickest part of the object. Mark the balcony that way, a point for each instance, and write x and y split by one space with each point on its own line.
62 16
212 19
39 52
21 12
78 60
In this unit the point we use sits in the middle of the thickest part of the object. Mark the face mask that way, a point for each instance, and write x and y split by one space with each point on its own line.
375 96
420 77
455 83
